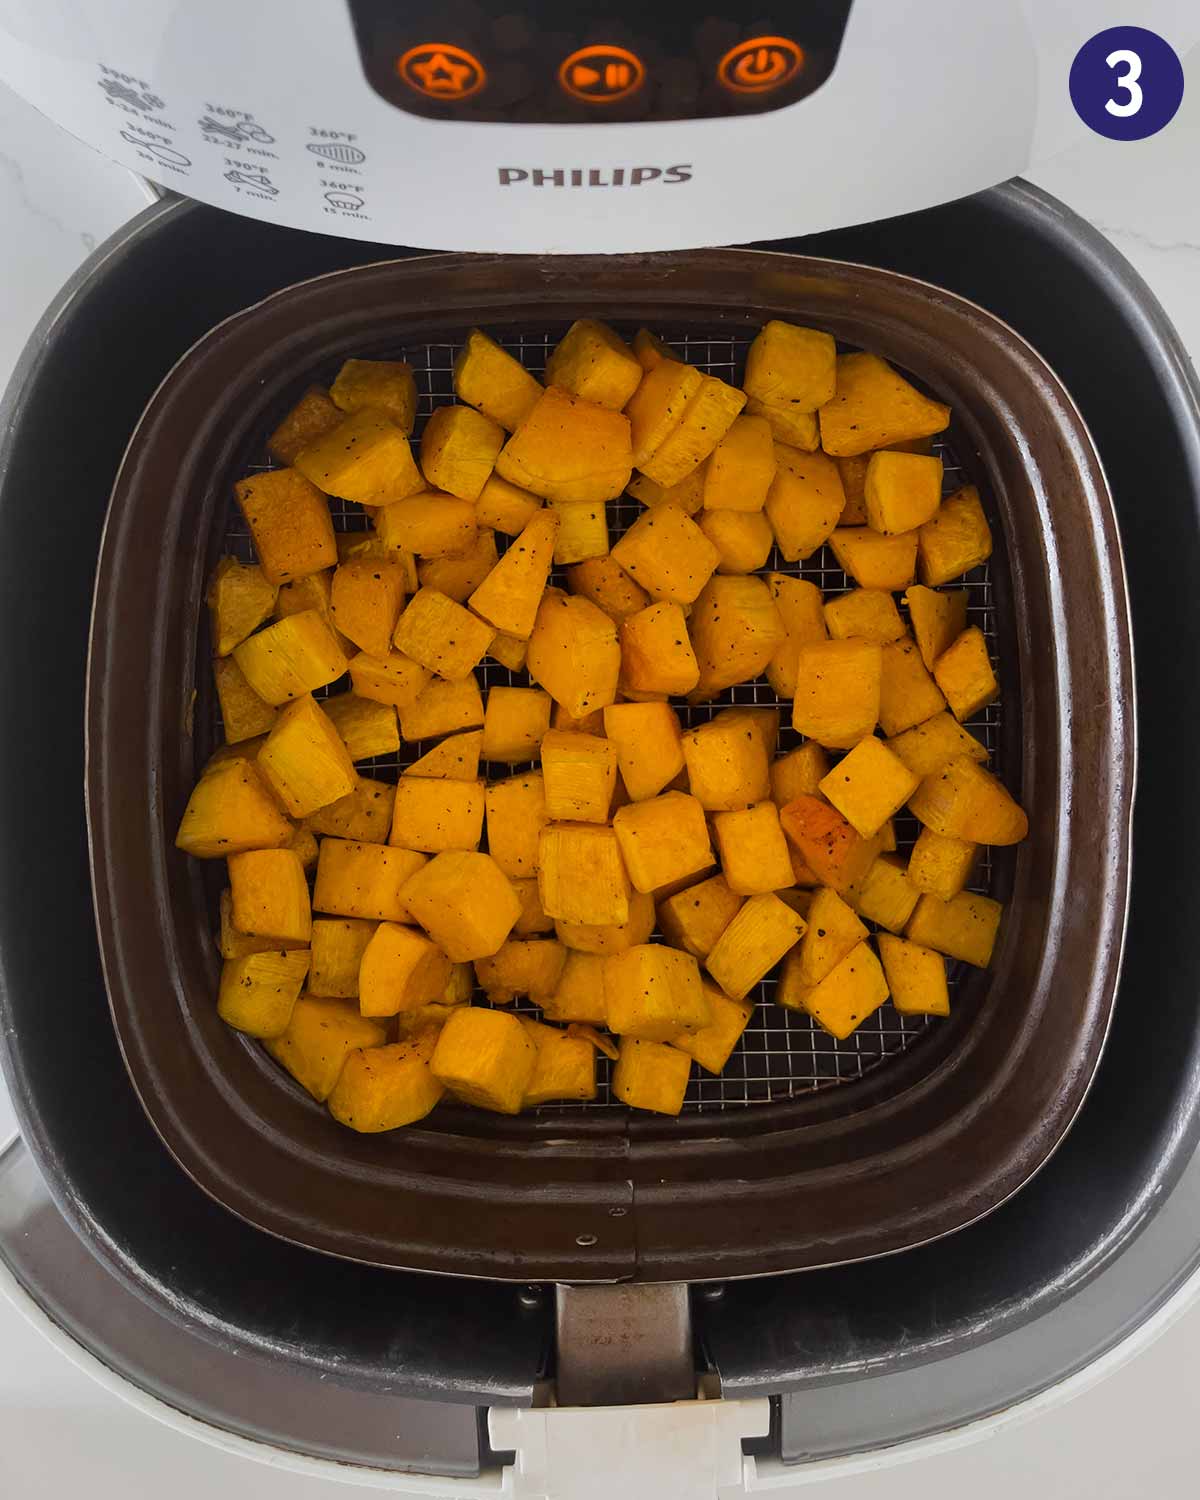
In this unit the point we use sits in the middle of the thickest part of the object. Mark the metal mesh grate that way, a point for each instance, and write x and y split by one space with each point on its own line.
782 1053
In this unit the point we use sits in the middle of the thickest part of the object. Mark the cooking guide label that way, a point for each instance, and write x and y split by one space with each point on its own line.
338 158
222 126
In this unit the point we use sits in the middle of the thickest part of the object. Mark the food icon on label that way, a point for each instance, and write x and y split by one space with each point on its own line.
166 154
340 199
236 130
124 93
257 180
338 151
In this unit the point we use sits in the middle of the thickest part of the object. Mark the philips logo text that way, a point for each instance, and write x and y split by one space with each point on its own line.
600 177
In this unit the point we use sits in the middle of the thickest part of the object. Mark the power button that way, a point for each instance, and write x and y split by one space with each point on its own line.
760 65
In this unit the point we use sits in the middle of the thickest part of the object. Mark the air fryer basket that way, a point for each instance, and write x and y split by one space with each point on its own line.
906 1153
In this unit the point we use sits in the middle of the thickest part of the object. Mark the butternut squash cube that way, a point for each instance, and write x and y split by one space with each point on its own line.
927 747
805 501
581 875
964 927
762 932
864 614
727 764
875 407
798 773
839 856
849 993
569 449
687 495
610 937
465 902
663 840
579 773
434 813
457 757
305 847
289 523
743 538
833 931
579 993
243 713
938 619
353 545
875 561
366 458
368 729
441 708
510 651
667 554
712 1045
365 601
314 591
485 1058
392 679
240 597
319 1038
868 785
516 815
852 471
573 653
505 507
798 429
387 385
656 406
964 801
656 652
647 740
608 586
429 524
651 1075
565 1067
800 608
707 416
363 880
269 895
382 1088
753 851
400 969
291 657
886 896
313 415
458 450
490 379
582 531
964 674
590 723
532 920
791 366
258 993
441 635
908 695
594 362
916 977
940 865
956 540
650 349
654 993
338 944
234 944
520 967
740 468
515 723
509 597
736 629
902 490
363 816
837 691
305 759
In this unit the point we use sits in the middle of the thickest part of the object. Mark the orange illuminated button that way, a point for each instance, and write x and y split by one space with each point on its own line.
601 75
760 65
440 70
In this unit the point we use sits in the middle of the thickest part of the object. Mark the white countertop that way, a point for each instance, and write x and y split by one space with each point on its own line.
62 1436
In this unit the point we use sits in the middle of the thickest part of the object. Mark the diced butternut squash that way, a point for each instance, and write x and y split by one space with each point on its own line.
656 652
798 773
258 993
927 747
382 1088
458 450
743 538
868 785
964 674
875 561
608 586
839 856
833 930
485 1058
383 384
305 759
366 457
667 554
938 619
394 679
651 1075
367 729
964 927
314 591
516 815
509 650
240 597
488 378
693 919
849 993
916 977
365 601
647 741
791 366
441 708
712 1045
735 628
363 880
581 875
363 816
753 850
269 895
579 772
291 657
805 501
594 362
649 349
565 1067
756 939
654 993
305 847
853 473
940 865
886 896
319 1038
706 418
864 614
428 524
727 764
508 598
801 610
505 507
657 404
956 540
289 522
338 944
515 722
740 468
243 713
352 545
400 970
967 802
908 695
441 635
798 429
837 691
457 757
687 495
579 993
663 840
465 902
521 967
582 531
234 944
902 490
313 415
532 920
573 653
610 937
569 449
875 407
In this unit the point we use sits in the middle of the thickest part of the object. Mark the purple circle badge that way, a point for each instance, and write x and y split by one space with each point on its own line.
1126 83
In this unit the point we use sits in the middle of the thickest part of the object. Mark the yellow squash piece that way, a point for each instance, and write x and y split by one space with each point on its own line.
433 813
579 773
289 522
887 897
458 450
868 785
956 540
964 674
311 416
610 937
837 855
505 507
441 635
582 531
967 802
837 691
916 977
667 554
516 815
394 679
864 614
429 524
736 629
234 944
756 939
269 895
365 599
753 850
938 619
927 747
400 970
387 385
656 652
656 406
875 561
565 1067
908 695
258 993
240 598
650 349
687 495
305 760
579 994
338 944
363 880
510 595
800 608
382 1088
791 366
457 757
366 457
230 810
797 429
743 538
490 379
441 708
902 490
654 993
805 501
833 930
319 1038
581 875
608 586
940 865
594 362
368 729
851 992
532 920
521 967
727 764
964 927
875 407
705 420
291 657
573 653
569 449
486 1058
363 816
243 713
509 651
798 773
663 840
651 1075
314 591
649 749
465 902
713 1044
741 467
516 720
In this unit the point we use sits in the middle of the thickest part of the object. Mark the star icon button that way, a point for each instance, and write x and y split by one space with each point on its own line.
440 70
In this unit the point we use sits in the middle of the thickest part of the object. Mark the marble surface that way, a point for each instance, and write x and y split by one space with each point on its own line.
1136 1432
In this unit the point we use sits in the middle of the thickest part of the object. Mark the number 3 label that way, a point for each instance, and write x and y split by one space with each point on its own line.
1126 83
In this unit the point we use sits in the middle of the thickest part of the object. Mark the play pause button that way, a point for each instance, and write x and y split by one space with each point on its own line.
601 75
